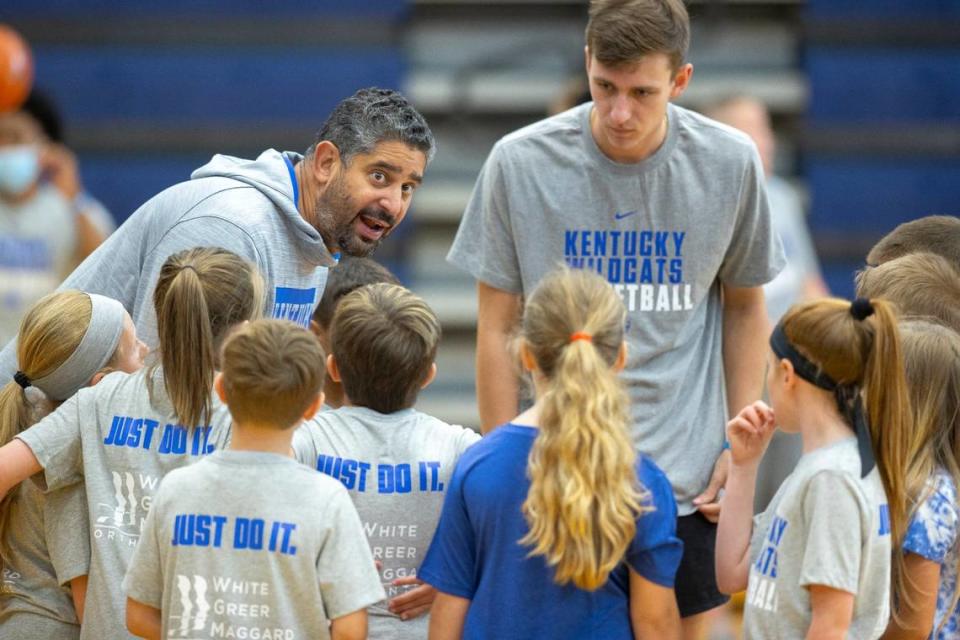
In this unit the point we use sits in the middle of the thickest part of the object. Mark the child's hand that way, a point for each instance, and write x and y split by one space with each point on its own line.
416 601
749 432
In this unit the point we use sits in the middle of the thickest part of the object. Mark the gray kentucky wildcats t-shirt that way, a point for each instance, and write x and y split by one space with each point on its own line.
396 468
112 437
45 545
665 232
278 554
825 526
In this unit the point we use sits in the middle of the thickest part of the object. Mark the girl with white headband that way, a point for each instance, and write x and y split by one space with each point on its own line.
122 436
68 340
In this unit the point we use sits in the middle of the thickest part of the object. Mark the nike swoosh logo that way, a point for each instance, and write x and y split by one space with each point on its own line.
621 216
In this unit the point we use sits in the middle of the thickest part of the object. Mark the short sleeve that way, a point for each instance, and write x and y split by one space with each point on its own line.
466 439
450 563
656 550
835 530
144 579
484 245
304 448
346 573
932 531
755 254
56 442
66 523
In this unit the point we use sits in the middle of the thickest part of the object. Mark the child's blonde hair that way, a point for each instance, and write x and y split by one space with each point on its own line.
921 285
200 294
864 358
272 371
931 355
584 495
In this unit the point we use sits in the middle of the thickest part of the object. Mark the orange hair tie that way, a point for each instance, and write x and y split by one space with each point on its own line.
580 335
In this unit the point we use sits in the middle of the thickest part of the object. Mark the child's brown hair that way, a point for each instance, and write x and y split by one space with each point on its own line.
272 372
384 341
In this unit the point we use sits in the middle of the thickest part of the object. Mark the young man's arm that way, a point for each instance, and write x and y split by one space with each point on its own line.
498 387
143 620
653 610
447 617
919 607
745 331
352 626
832 613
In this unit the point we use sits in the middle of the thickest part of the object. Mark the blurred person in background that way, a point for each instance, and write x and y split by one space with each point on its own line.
47 223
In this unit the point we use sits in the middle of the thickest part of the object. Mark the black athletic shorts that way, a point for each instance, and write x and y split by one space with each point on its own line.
696 583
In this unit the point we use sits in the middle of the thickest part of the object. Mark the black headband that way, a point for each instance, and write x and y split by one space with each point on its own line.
847 396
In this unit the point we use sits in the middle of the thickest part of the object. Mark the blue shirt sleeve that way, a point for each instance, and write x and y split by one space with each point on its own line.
932 531
450 563
656 551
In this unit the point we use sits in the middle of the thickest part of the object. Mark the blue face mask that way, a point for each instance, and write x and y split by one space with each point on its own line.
19 168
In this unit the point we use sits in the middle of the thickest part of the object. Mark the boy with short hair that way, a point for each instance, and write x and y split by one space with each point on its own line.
351 274
931 234
249 543
395 461
921 285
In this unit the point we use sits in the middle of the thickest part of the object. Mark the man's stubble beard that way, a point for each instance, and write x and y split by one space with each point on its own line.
334 218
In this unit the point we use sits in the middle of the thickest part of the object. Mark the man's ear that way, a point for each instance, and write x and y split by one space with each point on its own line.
431 376
332 369
218 387
326 162
681 80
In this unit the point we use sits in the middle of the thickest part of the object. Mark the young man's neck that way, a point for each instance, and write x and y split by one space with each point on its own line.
268 438
637 154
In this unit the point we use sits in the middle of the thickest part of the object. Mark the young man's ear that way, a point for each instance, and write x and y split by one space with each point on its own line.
681 80
218 387
314 407
431 376
332 369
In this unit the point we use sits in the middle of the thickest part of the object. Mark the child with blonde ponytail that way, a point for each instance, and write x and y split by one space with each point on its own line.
553 527
817 562
68 340
122 436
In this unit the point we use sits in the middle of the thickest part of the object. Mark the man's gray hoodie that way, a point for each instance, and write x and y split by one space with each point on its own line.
245 206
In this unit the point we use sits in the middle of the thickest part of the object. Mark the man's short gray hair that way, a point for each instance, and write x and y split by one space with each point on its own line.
371 116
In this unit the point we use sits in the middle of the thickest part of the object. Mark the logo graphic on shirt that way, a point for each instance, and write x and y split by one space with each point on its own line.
294 304
422 476
192 597
645 266
625 214
762 587
223 607
884 520
123 519
10 580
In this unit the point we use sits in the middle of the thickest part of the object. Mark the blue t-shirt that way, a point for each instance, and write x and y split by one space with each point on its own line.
475 553
933 535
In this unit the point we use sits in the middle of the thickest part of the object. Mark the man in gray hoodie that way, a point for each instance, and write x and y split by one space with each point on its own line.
291 215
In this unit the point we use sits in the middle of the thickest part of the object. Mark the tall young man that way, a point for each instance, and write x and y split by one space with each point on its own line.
669 207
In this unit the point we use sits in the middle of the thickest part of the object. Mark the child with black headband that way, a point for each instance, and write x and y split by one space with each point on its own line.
816 563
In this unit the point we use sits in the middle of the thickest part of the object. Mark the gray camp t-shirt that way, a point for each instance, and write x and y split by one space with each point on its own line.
44 547
120 444
825 526
278 554
396 468
664 232
244 206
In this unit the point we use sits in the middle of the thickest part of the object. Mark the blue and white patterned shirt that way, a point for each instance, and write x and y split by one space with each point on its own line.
932 534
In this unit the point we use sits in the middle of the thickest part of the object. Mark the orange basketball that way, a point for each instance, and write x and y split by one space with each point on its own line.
16 69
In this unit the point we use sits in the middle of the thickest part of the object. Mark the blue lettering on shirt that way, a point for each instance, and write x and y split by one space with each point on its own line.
295 305
646 256
766 563
884 520
391 478
202 530
142 433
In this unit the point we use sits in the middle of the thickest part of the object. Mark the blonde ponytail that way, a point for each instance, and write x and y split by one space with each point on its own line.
584 495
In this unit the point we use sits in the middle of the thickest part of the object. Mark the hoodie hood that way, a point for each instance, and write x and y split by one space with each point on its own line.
273 177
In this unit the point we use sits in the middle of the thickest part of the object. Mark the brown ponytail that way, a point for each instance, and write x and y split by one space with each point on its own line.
201 293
